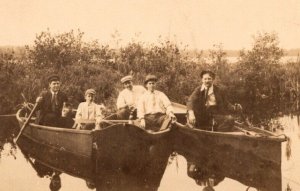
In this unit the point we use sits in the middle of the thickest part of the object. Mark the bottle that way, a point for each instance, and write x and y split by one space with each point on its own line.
130 118
64 110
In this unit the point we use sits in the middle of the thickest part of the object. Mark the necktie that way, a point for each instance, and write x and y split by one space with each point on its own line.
54 101
206 94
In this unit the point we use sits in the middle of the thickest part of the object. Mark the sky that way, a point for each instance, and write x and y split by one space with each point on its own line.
197 23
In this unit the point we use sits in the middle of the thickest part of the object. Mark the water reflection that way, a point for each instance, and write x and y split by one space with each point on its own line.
7 131
247 169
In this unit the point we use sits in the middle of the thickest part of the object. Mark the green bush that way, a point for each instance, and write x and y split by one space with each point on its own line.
84 65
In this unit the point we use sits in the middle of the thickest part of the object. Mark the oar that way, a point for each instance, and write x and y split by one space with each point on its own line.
8 115
27 121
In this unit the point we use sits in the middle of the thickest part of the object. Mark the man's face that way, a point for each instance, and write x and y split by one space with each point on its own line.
54 86
128 85
207 80
66 111
89 97
151 85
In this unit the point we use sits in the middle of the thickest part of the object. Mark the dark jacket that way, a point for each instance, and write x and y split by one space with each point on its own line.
45 107
196 102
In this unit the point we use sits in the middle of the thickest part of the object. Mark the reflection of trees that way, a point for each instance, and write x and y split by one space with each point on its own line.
8 128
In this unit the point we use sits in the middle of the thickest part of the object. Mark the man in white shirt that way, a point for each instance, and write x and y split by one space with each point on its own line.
154 107
128 98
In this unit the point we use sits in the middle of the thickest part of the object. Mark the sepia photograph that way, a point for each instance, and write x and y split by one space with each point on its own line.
150 95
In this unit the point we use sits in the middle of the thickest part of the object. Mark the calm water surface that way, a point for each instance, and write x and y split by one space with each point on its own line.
17 172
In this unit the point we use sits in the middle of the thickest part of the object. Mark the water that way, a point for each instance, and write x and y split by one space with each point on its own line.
20 172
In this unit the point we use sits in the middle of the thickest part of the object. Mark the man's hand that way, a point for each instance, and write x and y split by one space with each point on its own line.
132 108
143 123
39 99
238 108
78 126
191 118
172 116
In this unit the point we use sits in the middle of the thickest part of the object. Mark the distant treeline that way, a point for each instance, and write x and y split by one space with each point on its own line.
257 80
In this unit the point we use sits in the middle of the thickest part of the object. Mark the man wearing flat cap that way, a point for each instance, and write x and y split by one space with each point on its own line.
128 98
50 103
208 107
154 107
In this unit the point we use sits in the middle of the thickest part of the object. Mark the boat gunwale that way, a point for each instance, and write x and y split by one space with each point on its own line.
89 132
230 134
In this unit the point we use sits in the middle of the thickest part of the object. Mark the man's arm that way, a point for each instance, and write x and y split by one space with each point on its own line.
121 103
229 106
40 99
141 112
168 105
79 111
191 105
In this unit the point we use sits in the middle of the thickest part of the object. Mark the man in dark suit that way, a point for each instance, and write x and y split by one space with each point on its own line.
208 107
50 103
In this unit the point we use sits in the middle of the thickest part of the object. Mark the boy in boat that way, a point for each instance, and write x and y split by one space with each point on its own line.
208 107
50 103
128 98
154 107
88 112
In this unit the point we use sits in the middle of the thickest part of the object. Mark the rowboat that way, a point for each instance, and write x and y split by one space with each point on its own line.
114 146
243 139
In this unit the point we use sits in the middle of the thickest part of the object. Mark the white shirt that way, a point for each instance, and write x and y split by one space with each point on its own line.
153 102
211 99
90 111
130 97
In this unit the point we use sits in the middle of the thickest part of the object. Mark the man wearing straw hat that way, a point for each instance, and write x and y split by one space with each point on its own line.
154 107
128 98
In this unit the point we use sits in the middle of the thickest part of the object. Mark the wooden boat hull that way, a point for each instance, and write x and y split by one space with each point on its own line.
190 141
78 142
114 147
70 163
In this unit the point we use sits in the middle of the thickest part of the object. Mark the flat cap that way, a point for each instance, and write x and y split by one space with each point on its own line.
126 78
150 77
53 77
90 91
213 75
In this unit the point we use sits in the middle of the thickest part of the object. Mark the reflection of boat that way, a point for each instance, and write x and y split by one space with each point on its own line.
243 138
213 165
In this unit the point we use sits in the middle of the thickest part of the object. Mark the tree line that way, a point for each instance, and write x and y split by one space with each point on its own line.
258 80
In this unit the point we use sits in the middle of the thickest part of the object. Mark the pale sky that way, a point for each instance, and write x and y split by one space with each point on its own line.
197 23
